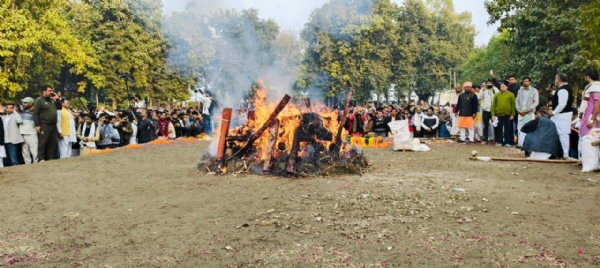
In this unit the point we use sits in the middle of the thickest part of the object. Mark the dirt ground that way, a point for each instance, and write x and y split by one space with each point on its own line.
148 208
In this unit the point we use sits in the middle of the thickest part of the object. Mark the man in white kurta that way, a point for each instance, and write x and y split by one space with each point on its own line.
562 101
66 130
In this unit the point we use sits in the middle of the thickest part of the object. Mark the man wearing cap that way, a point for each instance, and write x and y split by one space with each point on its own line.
45 118
27 129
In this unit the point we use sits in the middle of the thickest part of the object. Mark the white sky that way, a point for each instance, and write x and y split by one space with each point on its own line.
293 14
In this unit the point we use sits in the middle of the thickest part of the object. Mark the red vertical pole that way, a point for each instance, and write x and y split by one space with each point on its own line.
225 123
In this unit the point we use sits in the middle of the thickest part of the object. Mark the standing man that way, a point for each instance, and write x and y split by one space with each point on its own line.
380 125
430 124
453 102
44 116
206 102
528 100
467 108
67 132
486 97
12 134
513 87
562 103
503 109
27 129
417 122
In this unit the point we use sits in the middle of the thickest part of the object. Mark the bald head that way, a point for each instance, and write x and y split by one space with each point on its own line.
467 86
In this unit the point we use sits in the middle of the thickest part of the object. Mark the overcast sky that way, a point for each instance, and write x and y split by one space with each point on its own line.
294 14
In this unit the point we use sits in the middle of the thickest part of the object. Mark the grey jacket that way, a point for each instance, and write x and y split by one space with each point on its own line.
534 100
12 134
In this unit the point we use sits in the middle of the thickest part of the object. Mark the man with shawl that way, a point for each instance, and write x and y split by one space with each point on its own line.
590 105
528 100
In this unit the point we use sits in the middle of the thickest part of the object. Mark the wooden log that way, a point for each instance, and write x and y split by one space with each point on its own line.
307 102
271 146
338 136
525 160
291 163
225 123
268 123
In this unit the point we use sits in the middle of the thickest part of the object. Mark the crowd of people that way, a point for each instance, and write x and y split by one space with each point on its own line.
545 123
48 128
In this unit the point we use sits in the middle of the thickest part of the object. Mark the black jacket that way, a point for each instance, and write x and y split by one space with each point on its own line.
144 129
381 125
467 104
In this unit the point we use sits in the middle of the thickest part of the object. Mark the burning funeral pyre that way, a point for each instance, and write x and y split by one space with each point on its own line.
284 139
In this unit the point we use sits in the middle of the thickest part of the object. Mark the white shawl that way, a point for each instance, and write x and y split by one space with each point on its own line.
92 134
590 88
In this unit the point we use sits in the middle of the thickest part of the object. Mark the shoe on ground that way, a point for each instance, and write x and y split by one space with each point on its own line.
499 145
483 143
470 143
509 146
459 141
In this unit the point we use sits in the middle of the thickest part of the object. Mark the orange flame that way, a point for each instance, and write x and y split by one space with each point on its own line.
289 119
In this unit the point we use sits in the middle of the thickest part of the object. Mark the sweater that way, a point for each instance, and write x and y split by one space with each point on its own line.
504 104
45 111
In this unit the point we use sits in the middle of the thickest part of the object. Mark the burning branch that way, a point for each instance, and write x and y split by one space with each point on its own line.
268 123
271 146
338 137
307 102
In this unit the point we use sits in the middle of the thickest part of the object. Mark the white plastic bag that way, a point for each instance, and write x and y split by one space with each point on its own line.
402 140
401 133
590 154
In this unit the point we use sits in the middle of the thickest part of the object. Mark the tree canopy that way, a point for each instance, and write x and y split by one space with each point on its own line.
546 37
360 45
366 46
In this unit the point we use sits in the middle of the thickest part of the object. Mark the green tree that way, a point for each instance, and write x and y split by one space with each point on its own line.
486 58
36 43
126 37
544 37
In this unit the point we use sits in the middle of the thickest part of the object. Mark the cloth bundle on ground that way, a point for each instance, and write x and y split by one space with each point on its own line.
402 139
541 136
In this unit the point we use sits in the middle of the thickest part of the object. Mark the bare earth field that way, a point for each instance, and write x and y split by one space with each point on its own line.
149 208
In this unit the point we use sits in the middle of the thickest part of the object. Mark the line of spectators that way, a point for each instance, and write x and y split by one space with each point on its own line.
48 128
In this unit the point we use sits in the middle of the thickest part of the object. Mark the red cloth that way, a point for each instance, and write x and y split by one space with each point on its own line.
163 127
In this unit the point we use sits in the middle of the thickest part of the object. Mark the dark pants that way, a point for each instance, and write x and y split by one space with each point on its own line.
207 125
486 125
515 128
417 133
47 143
180 132
12 152
504 131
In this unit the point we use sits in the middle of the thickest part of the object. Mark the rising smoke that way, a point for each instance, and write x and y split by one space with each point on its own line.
243 52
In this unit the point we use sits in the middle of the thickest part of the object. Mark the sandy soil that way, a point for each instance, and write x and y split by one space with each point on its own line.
148 208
